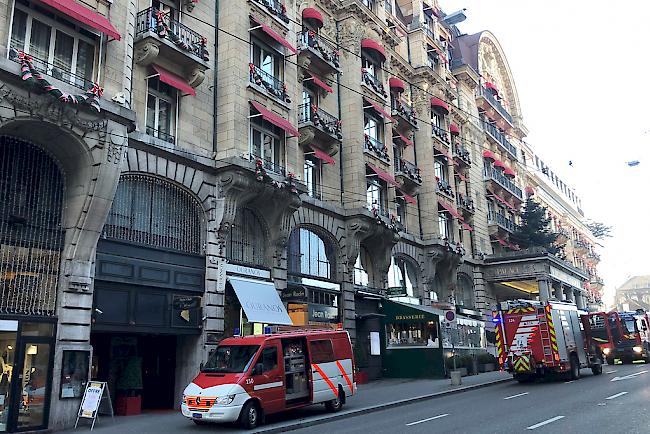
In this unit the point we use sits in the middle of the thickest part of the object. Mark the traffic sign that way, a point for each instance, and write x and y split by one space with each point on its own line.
449 318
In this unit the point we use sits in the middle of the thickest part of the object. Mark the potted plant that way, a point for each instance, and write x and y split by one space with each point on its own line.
129 386
459 365
486 362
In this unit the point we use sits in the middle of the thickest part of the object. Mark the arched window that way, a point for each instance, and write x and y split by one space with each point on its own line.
155 213
247 242
309 254
362 272
31 237
402 274
465 291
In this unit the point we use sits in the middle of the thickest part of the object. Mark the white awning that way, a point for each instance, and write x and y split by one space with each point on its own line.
260 301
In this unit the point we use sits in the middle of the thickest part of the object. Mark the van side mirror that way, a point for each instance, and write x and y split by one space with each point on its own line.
258 369
201 366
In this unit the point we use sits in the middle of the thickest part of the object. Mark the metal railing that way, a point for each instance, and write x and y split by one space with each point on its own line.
59 72
409 169
167 137
273 85
500 138
503 221
504 182
465 202
374 82
184 38
461 152
270 165
445 187
487 94
320 118
375 146
404 110
441 133
325 48
276 8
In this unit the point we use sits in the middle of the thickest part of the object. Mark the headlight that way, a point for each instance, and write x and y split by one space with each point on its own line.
225 400
637 349
606 351
184 399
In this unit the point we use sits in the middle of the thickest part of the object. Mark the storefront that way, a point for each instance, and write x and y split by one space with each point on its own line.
312 302
411 341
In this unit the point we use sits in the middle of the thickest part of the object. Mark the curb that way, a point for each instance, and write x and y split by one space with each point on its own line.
373 408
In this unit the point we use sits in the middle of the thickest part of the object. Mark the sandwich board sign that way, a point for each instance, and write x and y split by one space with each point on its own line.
96 392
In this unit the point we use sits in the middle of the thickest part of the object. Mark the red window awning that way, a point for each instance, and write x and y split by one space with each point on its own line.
460 176
175 81
442 56
530 190
410 199
276 120
84 15
439 105
275 35
502 242
406 141
453 129
396 83
441 153
371 44
320 83
467 227
509 172
323 156
502 200
450 209
489 155
492 87
383 175
313 14
379 109
499 164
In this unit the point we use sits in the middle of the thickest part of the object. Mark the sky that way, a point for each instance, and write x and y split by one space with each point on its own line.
581 71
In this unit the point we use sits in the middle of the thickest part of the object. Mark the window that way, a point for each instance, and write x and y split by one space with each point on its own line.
247 241
401 274
266 144
361 276
371 65
169 7
465 291
400 204
375 194
372 128
440 169
312 176
322 351
60 48
436 120
161 110
323 298
370 4
415 334
268 68
269 359
308 254
444 225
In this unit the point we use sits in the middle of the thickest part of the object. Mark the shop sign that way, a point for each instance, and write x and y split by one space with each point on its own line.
565 278
410 317
248 271
184 302
320 313
396 291
296 293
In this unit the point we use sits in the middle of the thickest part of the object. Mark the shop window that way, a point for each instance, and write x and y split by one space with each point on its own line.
308 254
74 373
247 241
408 335
323 298
401 274
469 334
162 102
322 351
267 144
155 213
58 47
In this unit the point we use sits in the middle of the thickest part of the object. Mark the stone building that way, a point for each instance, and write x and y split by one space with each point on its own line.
633 294
158 158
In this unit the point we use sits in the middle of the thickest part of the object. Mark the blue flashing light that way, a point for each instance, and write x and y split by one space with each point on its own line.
236 332
267 330
495 320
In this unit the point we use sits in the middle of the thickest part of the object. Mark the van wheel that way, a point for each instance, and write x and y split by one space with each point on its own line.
250 415
335 404
597 369
575 367
610 360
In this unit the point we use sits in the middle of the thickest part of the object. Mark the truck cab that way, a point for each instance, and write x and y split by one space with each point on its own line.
632 338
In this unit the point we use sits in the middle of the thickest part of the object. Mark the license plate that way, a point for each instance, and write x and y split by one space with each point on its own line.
197 415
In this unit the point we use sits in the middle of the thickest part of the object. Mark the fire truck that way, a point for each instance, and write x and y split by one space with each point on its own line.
631 337
536 339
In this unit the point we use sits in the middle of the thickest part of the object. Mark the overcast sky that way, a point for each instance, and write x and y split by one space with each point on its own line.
581 70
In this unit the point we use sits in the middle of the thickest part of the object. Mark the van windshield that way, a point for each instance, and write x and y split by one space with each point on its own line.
231 358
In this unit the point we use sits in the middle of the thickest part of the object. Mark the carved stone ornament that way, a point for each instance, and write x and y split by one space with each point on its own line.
146 52
350 35
196 76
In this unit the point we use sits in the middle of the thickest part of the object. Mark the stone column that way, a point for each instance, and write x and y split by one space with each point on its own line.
580 300
544 290
557 292
569 295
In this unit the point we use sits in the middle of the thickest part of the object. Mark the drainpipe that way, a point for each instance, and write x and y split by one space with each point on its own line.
338 101
215 74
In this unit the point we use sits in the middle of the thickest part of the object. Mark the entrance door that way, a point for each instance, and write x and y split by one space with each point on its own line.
32 390
158 370
8 350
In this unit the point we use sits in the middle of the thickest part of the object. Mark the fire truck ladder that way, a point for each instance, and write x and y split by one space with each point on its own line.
545 335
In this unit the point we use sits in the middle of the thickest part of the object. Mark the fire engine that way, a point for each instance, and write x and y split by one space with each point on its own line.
631 337
535 339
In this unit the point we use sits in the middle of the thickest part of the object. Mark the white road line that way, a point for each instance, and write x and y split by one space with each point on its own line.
569 382
617 395
517 395
611 372
546 422
427 419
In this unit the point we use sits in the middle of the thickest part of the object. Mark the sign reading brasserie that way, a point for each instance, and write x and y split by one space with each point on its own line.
411 317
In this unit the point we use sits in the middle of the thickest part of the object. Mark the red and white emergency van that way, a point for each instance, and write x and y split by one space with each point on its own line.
247 378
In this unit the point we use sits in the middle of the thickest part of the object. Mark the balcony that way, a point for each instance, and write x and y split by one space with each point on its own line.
158 36
270 166
462 155
502 222
376 148
56 71
407 174
562 235
373 83
268 82
495 175
445 188
499 139
440 133
318 54
404 112
275 8
465 204
494 103
319 128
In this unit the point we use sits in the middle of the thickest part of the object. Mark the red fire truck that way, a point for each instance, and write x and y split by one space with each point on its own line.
631 337
536 339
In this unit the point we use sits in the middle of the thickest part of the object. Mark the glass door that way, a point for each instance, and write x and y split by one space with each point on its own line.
34 386
8 333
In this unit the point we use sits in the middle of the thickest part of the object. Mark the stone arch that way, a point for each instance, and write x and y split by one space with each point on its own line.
267 252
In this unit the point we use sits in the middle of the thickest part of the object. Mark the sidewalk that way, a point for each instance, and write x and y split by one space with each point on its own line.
374 396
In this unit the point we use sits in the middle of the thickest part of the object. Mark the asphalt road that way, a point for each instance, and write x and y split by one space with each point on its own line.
616 402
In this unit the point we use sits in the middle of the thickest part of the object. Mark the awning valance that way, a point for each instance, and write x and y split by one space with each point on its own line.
275 35
85 16
276 120
383 175
175 81
489 155
500 164
396 83
406 141
450 209
467 227
323 156
320 83
371 44
379 109
313 14
502 200
492 87
260 301
439 105
410 199
509 172
453 129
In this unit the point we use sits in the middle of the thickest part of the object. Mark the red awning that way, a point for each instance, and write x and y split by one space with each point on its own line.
276 120
323 156
502 242
275 35
84 15
383 175
320 83
509 172
489 155
514 246
442 56
502 200
492 87
450 209
175 81
396 83
313 14
441 153
440 105
406 141
467 227
379 109
453 129
410 199
499 164
530 190
460 176
370 44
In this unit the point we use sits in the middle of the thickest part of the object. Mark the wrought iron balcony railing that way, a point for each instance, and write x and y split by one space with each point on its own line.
325 48
496 175
321 119
167 137
445 188
375 147
465 203
404 110
461 152
409 169
274 86
374 83
60 72
440 133
487 94
502 221
500 138
276 8
269 165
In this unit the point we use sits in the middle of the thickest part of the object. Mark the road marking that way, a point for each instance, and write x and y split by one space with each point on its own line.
517 395
546 422
627 377
569 382
617 395
427 419
611 372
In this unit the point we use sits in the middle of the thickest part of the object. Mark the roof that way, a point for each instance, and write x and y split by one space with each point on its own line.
635 282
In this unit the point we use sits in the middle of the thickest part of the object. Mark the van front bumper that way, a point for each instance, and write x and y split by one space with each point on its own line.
226 413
